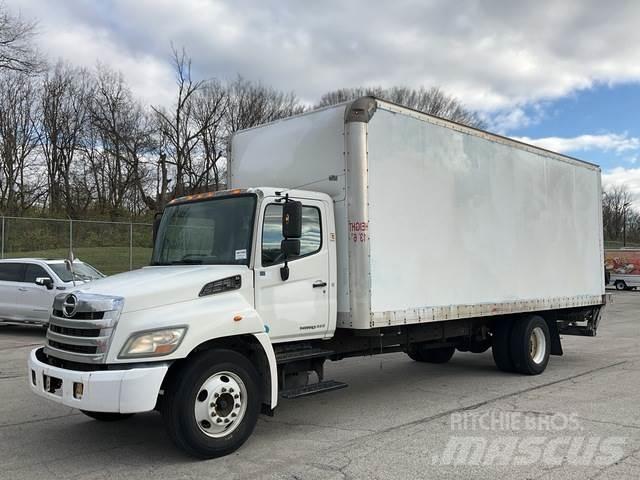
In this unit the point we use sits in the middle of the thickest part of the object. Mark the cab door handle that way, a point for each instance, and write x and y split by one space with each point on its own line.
319 284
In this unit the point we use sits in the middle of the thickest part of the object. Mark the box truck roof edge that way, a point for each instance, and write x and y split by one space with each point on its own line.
372 103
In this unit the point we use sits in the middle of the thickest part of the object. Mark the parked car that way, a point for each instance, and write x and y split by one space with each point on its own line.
29 285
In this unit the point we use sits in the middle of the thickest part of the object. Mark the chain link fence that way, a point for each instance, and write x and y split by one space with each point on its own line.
111 247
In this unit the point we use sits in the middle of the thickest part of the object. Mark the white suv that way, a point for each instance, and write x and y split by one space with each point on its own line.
29 285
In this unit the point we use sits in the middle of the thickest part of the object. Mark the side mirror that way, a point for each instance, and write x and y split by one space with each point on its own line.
157 218
290 247
44 282
292 219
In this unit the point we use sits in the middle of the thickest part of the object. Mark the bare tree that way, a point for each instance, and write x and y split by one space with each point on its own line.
428 100
252 104
17 51
177 125
209 115
118 143
18 140
616 211
64 113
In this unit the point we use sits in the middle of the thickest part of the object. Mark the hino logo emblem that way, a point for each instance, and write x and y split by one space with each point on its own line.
69 305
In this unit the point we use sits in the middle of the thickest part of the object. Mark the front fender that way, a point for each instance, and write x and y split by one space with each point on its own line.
265 342
206 318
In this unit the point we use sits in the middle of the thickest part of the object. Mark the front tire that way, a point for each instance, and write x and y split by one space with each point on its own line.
212 406
107 416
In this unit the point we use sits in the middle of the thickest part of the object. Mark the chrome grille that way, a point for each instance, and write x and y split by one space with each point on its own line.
82 333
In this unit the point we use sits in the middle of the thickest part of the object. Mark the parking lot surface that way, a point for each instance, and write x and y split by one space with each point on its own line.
397 419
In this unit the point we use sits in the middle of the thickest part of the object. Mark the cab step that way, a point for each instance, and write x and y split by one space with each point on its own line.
288 356
324 386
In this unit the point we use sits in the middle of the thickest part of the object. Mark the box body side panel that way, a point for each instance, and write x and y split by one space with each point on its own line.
458 221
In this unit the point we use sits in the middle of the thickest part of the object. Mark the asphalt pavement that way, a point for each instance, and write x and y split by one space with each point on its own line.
398 419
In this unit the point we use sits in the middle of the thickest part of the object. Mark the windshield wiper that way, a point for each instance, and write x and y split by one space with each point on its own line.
186 261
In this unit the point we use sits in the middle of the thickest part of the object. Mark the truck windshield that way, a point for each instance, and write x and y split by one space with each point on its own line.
217 231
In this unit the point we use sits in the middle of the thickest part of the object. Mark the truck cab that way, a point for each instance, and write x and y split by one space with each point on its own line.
225 270
243 230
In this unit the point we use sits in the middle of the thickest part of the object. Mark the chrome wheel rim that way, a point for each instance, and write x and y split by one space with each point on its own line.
537 345
220 404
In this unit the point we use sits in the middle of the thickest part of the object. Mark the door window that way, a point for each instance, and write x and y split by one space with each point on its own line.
12 272
310 241
34 271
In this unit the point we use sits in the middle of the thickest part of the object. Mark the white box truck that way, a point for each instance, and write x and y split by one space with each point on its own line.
382 230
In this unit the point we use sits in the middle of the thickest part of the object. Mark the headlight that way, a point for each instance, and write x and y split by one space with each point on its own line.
153 344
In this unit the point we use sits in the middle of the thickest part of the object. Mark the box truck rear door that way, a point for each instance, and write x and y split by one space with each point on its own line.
298 307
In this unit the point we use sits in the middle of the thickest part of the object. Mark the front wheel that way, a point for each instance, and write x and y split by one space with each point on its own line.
212 406
620 285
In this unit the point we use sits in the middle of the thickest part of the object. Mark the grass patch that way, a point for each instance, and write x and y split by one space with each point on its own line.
109 260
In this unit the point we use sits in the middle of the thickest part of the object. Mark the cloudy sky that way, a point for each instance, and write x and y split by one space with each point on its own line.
561 74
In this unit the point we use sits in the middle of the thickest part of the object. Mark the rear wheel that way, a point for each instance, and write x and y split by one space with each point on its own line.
107 416
530 345
212 406
420 353
620 285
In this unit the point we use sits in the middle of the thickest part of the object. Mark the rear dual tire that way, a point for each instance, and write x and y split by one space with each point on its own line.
522 345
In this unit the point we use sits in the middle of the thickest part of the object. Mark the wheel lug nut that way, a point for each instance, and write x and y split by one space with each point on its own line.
236 396
233 414
226 420
219 420
216 395
224 390
237 405
231 390
212 405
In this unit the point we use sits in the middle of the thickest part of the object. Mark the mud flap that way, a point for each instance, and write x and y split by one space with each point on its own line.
554 333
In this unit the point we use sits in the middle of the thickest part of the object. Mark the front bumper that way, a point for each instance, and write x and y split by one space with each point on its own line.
124 391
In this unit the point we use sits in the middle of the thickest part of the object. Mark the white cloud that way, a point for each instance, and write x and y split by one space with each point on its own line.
509 120
617 143
518 117
492 55
629 177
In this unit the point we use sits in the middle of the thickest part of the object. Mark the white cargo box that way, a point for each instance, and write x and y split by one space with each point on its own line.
435 220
